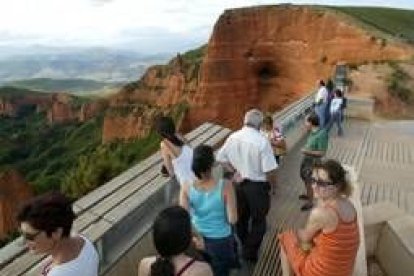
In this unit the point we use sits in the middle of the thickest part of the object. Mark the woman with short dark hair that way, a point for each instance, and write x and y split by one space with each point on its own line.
172 236
212 205
45 224
329 243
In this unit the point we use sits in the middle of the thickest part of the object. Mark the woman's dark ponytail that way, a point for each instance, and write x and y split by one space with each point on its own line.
166 128
162 267
171 233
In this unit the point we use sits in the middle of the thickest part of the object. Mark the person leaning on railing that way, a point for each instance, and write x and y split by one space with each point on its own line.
45 224
172 236
329 243
176 153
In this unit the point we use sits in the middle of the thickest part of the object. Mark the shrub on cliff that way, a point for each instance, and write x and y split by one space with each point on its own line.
397 84
43 153
106 162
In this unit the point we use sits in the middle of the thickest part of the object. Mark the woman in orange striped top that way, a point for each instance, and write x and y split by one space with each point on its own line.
329 243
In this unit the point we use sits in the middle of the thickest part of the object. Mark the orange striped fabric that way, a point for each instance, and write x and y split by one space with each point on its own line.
333 253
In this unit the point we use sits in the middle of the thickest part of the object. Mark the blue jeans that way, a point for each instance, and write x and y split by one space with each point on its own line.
223 254
336 118
320 110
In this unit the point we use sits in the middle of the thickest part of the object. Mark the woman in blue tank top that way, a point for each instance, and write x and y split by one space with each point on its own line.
212 205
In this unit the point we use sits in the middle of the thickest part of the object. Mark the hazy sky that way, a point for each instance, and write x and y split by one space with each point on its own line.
144 25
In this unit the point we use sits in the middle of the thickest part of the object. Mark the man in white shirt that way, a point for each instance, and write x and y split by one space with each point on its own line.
321 101
250 154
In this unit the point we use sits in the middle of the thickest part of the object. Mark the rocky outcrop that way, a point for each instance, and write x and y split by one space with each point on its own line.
59 107
14 190
61 110
8 108
164 85
162 89
90 110
267 57
13 106
128 122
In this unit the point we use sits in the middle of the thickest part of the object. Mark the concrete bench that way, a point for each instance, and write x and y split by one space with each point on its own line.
116 215
389 237
358 107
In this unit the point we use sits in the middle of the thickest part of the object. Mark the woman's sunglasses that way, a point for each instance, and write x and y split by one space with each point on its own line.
322 183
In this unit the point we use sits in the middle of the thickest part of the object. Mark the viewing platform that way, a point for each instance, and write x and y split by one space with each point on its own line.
118 216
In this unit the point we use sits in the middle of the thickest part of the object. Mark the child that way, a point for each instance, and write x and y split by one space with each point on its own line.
273 132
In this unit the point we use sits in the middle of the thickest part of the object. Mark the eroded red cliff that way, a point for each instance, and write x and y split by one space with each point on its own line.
59 107
267 57
128 122
162 89
14 190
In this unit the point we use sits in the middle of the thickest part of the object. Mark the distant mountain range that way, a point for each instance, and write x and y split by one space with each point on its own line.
99 64
74 86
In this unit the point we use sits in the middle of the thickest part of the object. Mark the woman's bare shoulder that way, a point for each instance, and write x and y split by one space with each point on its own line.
200 269
144 266
346 210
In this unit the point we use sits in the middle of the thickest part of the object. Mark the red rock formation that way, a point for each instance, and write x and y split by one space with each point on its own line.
14 190
162 85
135 123
90 110
267 57
61 110
7 108
160 89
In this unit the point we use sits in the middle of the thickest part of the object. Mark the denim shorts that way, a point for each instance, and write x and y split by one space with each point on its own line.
223 253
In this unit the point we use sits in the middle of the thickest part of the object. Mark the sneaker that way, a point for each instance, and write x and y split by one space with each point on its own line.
303 197
306 206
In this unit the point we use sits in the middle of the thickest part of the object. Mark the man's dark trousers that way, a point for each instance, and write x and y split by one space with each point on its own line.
253 202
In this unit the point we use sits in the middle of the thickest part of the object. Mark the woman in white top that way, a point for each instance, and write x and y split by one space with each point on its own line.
176 154
336 112
45 224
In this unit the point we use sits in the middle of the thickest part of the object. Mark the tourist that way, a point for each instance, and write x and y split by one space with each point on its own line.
321 102
273 133
172 237
330 86
329 243
250 154
212 205
314 149
336 112
176 154
45 225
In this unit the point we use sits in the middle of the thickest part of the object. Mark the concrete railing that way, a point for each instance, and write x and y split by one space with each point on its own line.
361 108
117 216
292 118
